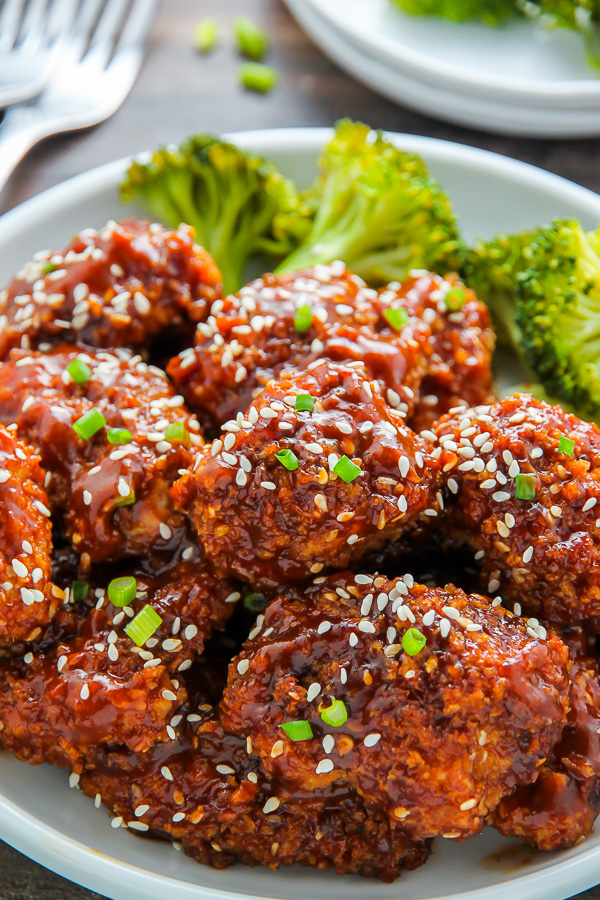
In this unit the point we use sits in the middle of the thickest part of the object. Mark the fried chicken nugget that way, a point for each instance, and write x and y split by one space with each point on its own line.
97 686
28 598
288 321
524 495
123 286
106 443
560 808
318 470
430 703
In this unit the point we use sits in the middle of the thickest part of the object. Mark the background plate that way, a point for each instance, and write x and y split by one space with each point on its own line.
59 827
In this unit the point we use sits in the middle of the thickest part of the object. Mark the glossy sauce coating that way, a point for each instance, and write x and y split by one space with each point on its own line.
94 686
88 480
433 739
28 598
459 351
542 553
560 808
249 338
269 525
206 791
121 286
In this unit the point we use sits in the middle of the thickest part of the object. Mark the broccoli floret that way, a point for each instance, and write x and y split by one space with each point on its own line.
492 269
378 210
490 12
558 314
239 204
543 289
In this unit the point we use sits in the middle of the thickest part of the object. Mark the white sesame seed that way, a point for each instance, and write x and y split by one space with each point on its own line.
272 804
326 765
372 739
468 804
165 531
87 498
313 691
444 627
528 554
166 773
589 504
243 666
328 743
19 568
501 496
84 693
429 617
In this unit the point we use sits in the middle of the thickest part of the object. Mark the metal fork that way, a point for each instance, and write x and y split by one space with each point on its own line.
29 34
96 69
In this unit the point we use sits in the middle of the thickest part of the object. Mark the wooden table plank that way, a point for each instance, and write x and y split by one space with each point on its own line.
179 93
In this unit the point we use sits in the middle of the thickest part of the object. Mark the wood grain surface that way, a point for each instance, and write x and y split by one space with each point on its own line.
179 93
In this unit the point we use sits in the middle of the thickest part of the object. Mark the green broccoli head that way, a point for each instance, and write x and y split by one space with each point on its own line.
558 314
378 210
492 269
490 12
238 203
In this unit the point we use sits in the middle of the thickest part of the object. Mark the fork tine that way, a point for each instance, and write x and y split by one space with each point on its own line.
61 17
10 19
109 25
139 23
32 30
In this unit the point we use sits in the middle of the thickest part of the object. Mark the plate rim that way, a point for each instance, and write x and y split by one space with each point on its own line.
489 115
428 68
97 871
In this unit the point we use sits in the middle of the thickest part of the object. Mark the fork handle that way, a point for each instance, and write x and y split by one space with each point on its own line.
18 134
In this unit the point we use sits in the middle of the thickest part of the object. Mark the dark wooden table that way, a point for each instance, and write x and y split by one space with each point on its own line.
179 93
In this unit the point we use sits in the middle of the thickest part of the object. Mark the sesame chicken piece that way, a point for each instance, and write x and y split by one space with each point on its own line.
429 703
106 445
318 470
127 285
524 496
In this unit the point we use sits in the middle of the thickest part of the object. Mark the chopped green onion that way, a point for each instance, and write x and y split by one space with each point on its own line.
118 435
89 423
566 445
79 371
144 625
455 299
334 715
255 602
121 591
396 318
303 318
176 432
525 485
288 459
79 591
127 500
250 38
49 267
346 469
206 35
298 731
304 402
413 641
260 79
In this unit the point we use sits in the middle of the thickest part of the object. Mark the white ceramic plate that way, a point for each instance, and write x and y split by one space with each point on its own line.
482 111
59 827
520 62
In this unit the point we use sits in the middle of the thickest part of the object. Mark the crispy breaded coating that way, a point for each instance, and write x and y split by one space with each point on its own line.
560 808
541 549
434 734
113 497
249 338
459 353
287 492
95 686
28 598
123 286
211 796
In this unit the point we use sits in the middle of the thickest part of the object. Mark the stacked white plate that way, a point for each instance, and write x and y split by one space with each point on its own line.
520 79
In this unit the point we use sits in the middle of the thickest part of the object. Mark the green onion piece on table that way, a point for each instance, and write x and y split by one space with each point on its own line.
250 38
206 35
